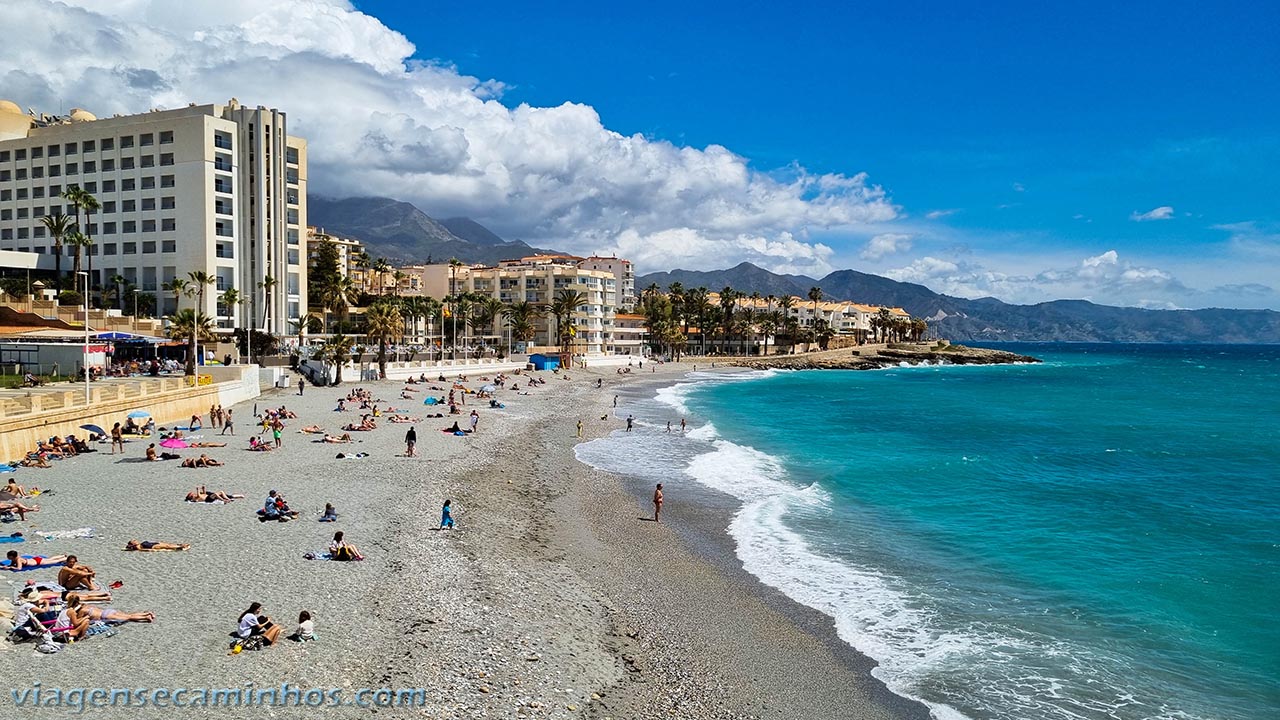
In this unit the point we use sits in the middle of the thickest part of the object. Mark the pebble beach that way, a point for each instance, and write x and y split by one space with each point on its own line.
551 598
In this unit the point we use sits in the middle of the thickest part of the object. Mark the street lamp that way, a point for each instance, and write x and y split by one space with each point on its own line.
85 361
135 304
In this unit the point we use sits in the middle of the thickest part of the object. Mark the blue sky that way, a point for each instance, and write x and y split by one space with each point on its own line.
1126 153
1024 129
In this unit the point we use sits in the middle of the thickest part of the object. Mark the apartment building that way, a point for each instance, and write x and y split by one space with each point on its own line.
624 277
219 188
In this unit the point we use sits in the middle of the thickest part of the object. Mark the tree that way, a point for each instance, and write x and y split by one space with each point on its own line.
339 295
118 282
90 205
768 326
728 300
815 294
77 240
178 287
562 308
788 323
382 267
59 225
486 313
266 285
230 299
383 323
339 348
192 326
396 277
200 280
521 318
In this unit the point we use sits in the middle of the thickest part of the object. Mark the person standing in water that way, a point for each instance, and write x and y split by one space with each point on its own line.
668 426
682 426
657 502
630 420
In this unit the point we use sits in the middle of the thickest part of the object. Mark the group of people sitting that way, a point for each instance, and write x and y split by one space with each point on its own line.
254 630
276 508
64 611
366 423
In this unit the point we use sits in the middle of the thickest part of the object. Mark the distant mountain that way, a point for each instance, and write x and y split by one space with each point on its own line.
990 319
404 234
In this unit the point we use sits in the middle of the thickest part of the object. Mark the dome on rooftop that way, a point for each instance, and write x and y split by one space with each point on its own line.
82 115
8 106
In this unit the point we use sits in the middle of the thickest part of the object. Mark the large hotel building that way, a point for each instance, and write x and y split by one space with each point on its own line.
214 188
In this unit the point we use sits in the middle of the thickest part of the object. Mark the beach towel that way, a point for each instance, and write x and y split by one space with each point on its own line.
84 532
14 538
5 563
322 555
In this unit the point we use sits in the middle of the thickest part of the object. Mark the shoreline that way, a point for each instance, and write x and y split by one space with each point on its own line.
550 599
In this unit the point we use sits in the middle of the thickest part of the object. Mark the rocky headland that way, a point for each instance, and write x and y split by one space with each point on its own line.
873 357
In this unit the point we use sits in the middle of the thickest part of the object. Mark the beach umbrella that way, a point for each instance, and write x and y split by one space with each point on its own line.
173 443
488 388
139 414
94 429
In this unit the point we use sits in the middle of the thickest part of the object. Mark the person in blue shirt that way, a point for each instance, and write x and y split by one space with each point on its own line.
446 515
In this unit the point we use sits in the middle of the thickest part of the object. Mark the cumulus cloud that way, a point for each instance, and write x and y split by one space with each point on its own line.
380 121
1164 212
886 244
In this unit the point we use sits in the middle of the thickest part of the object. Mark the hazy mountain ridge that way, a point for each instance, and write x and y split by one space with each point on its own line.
995 320
403 234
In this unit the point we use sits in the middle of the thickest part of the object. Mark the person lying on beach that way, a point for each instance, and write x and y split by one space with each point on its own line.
252 623
312 430
453 428
64 445
74 576
340 549
342 405
18 563
150 546
111 615
404 419
206 444
47 449
13 506
53 592
343 438
203 495
258 446
330 515
202 461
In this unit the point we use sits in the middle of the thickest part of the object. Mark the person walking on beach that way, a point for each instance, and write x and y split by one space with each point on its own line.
579 429
630 420
446 515
682 426
227 424
411 443
475 420
615 401
117 438
301 385
657 502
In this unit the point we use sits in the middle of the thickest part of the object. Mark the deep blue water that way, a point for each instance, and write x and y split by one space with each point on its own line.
1094 537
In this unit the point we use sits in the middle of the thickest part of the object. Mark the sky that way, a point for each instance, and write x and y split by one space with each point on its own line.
1125 153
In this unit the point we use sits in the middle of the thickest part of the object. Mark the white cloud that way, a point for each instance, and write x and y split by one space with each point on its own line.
379 122
1019 187
886 244
1164 212
935 214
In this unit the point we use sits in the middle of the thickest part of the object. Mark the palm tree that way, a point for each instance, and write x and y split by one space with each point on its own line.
521 318
267 284
189 325
302 323
381 267
486 313
59 225
339 297
562 308
815 294
396 277
383 323
199 281
728 299
117 283
365 263
77 240
786 303
339 349
90 205
178 287
230 299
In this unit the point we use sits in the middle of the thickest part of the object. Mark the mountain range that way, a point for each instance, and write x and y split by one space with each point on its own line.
404 234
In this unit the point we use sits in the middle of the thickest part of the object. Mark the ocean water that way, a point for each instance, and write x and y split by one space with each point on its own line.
1097 536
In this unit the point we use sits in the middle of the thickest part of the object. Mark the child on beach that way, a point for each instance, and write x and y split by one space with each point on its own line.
446 515
306 628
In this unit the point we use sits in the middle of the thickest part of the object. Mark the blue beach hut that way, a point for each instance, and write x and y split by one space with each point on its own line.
544 362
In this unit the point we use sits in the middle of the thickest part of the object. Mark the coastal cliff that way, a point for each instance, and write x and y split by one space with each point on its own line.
873 357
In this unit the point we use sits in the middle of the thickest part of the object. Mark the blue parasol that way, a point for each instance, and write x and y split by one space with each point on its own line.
139 414
93 429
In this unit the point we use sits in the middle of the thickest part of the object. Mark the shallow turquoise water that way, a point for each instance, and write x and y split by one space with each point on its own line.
1094 537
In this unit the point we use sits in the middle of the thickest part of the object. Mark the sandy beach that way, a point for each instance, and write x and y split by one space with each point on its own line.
552 598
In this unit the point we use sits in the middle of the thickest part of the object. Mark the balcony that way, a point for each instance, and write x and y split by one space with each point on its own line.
220 141
222 165
223 188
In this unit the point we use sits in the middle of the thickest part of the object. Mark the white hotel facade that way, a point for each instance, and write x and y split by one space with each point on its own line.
220 188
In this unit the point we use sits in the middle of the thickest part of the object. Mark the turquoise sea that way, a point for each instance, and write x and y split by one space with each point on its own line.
1097 536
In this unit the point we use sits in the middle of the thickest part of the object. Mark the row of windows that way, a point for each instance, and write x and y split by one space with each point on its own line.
86 146
108 186
128 227
128 248
109 207
89 167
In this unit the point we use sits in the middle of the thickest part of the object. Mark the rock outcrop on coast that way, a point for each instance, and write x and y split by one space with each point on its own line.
874 357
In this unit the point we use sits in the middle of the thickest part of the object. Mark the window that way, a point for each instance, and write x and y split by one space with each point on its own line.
6 234
55 170
54 151
168 203
291 156
222 229
22 193
70 148
149 182
146 139
21 174
148 161
166 158
129 226
37 172
148 226
109 249
168 224
23 233
22 213
4 156
108 207
20 154
90 166
6 195
128 184
166 137
109 228
129 206
37 192
169 246
87 146
108 186
127 163
129 248
92 229
36 153
55 190
148 247
6 214
37 211
148 204
40 232
293 257
126 141
5 176
91 187
108 165
108 144
73 169
166 181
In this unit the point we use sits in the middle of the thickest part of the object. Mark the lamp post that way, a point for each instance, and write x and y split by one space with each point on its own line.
135 304
85 361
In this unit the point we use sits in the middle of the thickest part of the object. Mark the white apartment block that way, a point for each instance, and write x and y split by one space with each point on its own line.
624 277
214 188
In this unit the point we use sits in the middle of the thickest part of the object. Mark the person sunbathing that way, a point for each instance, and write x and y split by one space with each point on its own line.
204 444
203 495
257 445
16 490
48 450
74 576
18 563
54 592
64 446
150 546
152 456
343 438
13 506
112 615
312 430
